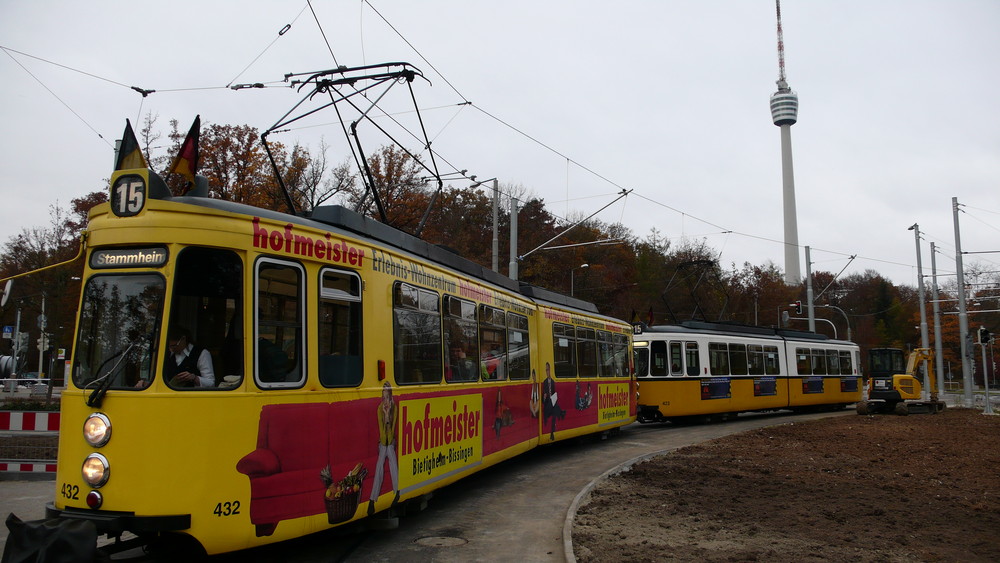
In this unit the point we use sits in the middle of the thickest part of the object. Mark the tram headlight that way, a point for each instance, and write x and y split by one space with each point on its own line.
96 470
97 429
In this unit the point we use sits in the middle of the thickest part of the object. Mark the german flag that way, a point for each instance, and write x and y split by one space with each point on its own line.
129 153
186 163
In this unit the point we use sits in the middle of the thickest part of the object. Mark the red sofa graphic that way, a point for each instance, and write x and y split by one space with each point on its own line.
295 442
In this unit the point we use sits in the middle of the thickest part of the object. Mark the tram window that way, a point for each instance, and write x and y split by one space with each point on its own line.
676 361
118 318
772 365
620 343
659 357
493 342
605 354
718 358
803 363
693 359
339 344
207 302
819 361
738 359
755 358
416 332
833 362
519 360
641 357
845 363
564 349
586 352
279 342
461 340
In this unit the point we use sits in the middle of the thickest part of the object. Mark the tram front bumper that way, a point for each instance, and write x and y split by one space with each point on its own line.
115 523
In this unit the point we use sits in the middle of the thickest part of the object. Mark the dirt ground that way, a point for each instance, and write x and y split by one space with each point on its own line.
848 488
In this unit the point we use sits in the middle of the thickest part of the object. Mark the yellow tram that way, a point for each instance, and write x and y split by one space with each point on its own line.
716 370
351 368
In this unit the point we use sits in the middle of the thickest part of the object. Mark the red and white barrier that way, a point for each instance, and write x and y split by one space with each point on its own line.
29 421
25 467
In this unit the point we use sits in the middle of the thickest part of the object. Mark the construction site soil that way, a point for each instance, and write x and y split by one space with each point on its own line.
847 488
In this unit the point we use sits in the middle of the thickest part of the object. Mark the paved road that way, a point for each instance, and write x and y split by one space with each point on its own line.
515 511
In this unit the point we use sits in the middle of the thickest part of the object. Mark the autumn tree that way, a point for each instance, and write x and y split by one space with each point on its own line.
695 287
759 294
36 249
318 182
400 188
462 220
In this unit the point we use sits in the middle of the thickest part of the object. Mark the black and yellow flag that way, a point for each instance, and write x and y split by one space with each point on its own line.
129 153
186 162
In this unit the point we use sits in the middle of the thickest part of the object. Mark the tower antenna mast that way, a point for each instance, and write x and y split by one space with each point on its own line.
782 83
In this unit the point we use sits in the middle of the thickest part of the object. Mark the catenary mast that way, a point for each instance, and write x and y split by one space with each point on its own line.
784 112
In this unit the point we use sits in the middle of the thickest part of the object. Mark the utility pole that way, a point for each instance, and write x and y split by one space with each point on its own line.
17 342
512 268
42 325
809 293
983 341
924 340
963 314
496 227
496 221
938 355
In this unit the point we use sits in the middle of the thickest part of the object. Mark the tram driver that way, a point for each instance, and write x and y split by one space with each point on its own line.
187 364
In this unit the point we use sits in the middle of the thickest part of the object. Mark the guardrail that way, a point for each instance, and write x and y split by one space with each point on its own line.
27 443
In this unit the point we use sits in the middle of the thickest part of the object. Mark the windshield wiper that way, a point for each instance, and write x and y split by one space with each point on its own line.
97 395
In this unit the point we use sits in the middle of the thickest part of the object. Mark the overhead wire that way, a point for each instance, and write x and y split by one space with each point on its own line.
323 33
56 96
281 33
415 50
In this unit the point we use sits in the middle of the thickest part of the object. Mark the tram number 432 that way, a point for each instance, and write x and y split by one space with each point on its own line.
70 491
227 508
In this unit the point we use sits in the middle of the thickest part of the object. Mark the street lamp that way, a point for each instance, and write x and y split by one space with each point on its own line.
571 288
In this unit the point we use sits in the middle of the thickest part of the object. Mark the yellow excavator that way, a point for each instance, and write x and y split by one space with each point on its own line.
892 390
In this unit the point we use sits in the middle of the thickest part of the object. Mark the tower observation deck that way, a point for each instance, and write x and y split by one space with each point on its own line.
784 106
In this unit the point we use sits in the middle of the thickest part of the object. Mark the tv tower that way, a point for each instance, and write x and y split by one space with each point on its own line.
784 111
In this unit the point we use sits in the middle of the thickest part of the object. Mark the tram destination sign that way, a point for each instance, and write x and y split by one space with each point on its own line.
128 258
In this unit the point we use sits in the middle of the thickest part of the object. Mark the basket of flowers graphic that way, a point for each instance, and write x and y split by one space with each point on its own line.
341 496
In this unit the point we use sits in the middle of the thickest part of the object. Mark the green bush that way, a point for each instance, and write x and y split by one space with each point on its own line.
28 405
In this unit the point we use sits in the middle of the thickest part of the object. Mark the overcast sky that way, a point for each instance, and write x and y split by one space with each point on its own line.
573 100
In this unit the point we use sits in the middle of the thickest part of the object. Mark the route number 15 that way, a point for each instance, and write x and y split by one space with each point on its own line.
128 196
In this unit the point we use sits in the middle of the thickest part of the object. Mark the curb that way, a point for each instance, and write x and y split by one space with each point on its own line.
585 492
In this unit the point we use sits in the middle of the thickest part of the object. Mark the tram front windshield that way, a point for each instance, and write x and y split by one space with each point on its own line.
117 339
